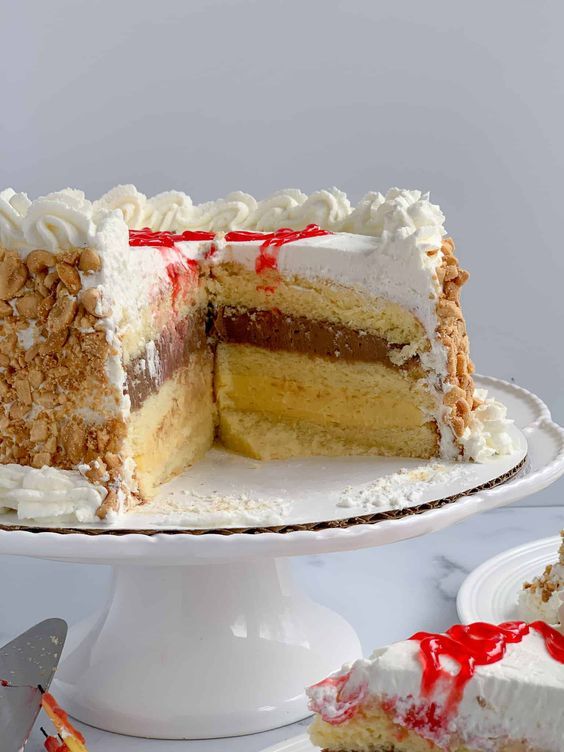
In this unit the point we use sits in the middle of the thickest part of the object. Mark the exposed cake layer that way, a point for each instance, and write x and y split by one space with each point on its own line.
235 286
275 330
164 355
373 730
479 688
275 404
174 427
265 437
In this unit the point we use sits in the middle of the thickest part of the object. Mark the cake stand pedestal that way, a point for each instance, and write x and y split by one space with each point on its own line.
205 635
202 651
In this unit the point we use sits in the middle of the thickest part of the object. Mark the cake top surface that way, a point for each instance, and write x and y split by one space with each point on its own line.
480 681
68 219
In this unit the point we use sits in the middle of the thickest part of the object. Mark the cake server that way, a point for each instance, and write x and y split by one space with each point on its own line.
27 666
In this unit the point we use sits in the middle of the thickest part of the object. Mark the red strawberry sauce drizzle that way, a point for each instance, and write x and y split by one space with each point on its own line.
266 259
165 239
273 241
177 264
346 701
478 644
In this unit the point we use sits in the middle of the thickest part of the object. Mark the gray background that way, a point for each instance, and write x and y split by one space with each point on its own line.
210 96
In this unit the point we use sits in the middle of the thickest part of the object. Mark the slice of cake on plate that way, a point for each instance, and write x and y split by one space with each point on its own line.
134 330
543 596
476 688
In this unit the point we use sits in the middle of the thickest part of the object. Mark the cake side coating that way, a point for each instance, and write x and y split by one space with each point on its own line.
81 311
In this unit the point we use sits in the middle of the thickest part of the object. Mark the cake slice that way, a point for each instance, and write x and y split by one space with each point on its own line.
543 596
476 688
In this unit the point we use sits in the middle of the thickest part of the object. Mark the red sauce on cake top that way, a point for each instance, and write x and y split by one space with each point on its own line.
478 644
267 257
165 239
181 271
273 241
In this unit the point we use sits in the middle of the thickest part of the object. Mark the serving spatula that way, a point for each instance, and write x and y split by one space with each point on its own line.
27 666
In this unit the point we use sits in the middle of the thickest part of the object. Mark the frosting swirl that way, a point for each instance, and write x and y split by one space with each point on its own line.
235 210
13 207
271 213
128 200
64 219
59 221
327 209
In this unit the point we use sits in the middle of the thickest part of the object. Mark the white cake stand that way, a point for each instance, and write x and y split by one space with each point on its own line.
205 635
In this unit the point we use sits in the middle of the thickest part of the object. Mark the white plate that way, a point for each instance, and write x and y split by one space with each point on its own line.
490 593
299 743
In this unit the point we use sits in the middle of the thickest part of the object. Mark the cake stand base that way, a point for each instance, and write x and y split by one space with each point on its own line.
201 651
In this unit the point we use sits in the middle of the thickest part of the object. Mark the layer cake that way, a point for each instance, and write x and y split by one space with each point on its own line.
135 330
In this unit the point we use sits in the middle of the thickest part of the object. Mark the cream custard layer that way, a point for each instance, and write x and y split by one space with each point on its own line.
174 427
285 404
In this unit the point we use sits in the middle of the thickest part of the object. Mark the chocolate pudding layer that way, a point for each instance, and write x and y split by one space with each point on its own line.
274 330
165 355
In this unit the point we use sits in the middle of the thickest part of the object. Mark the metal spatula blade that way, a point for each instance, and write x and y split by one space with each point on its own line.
26 663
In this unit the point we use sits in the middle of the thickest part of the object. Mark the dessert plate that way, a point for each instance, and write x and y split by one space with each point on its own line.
229 493
490 593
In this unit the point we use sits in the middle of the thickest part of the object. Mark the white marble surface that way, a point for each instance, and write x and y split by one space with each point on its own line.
385 593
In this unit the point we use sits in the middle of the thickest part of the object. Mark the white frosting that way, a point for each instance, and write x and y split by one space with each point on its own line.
330 209
13 207
48 493
405 488
487 435
59 221
521 696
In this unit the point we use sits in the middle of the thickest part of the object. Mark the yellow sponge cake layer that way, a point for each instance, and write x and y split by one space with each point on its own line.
174 427
276 404
263 437
373 730
235 285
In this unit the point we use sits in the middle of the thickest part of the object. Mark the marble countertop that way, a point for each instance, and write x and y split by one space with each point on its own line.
385 593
